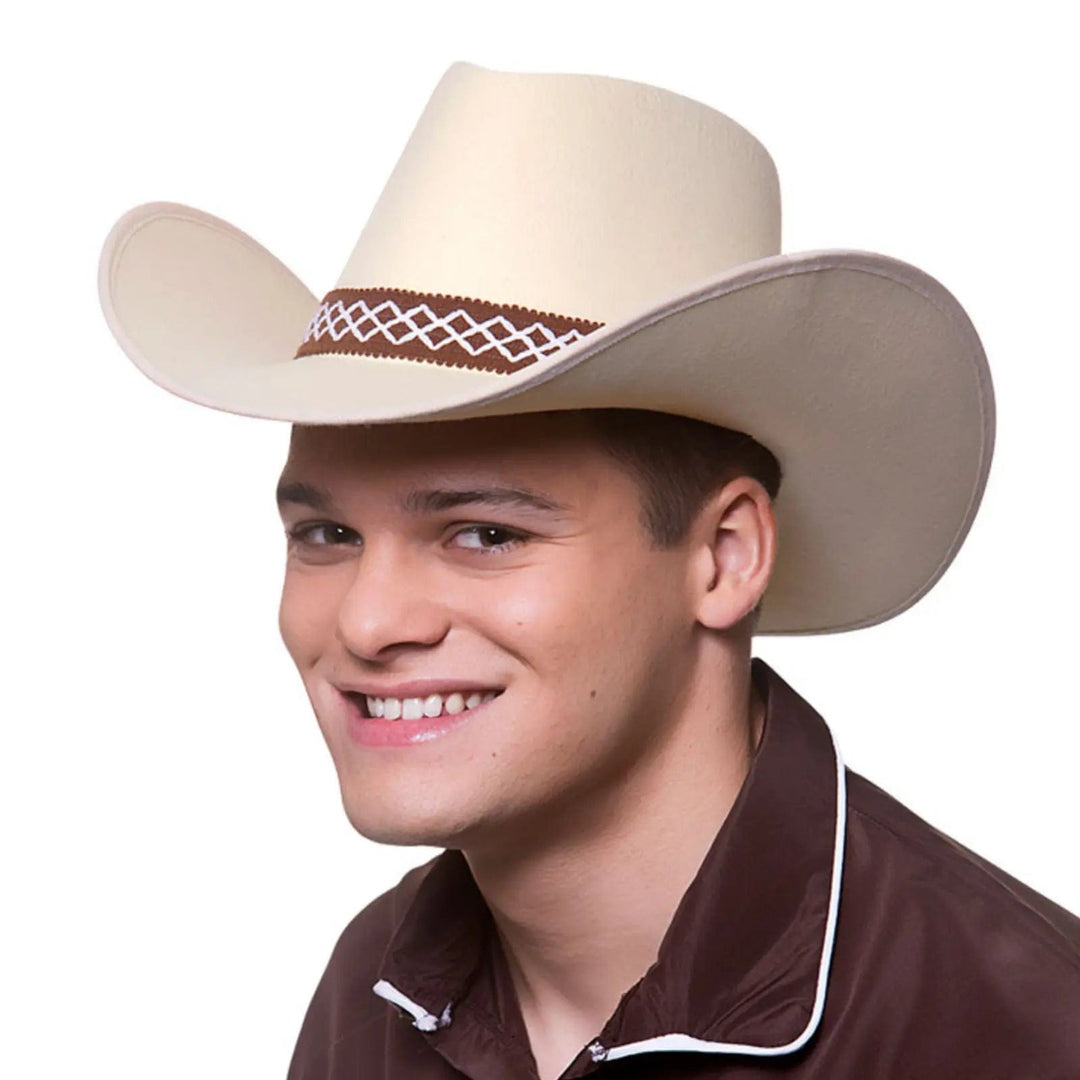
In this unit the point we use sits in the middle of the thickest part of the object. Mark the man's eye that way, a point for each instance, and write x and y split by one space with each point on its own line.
323 534
489 539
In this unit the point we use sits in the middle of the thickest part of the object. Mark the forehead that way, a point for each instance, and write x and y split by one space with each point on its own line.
554 450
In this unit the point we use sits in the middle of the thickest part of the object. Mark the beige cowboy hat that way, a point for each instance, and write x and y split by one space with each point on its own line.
576 241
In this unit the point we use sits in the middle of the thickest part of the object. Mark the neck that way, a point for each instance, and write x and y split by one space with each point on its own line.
582 909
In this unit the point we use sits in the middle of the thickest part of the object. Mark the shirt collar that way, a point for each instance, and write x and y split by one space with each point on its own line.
743 967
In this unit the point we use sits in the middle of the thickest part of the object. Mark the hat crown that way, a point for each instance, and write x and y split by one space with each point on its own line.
582 195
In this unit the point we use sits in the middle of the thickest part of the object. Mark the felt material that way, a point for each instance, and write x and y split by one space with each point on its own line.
658 217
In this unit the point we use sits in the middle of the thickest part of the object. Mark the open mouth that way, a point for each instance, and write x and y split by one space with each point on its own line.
430 707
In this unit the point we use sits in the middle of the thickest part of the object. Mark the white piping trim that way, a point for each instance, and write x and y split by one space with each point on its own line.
422 1019
677 1041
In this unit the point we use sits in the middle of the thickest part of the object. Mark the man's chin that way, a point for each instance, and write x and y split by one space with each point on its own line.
398 827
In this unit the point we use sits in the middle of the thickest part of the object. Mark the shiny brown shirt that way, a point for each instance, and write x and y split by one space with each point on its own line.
829 934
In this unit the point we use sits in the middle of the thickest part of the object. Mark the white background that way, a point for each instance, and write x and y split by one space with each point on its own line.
177 863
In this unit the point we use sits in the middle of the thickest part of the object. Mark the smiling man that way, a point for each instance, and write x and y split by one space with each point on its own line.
438 573
567 433
464 601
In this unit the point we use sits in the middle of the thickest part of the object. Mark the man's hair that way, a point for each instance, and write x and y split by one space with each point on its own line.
678 462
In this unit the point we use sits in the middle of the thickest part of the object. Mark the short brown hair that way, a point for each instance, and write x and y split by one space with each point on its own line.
679 462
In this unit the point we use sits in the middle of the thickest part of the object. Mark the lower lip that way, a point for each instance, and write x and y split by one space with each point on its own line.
378 731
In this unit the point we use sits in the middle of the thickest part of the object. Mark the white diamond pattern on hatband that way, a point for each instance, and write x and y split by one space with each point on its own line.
386 318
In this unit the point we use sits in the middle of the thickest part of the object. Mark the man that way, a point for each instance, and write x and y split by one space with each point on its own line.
568 431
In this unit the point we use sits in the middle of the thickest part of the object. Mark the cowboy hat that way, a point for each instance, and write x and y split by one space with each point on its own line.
575 241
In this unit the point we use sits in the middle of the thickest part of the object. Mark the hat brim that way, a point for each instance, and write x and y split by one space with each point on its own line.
861 373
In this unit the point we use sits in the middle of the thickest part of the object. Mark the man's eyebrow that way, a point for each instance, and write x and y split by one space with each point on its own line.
436 499
295 491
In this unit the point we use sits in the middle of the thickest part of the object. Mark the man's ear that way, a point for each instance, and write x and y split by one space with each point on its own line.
734 549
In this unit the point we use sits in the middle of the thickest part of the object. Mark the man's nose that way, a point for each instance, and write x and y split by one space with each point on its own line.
389 603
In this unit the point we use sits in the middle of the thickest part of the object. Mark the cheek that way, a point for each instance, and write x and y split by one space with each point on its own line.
307 615
562 598
548 621
592 638
599 610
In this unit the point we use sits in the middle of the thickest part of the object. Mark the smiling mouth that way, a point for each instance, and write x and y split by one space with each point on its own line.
430 707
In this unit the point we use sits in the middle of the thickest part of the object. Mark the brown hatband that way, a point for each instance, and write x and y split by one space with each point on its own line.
452 330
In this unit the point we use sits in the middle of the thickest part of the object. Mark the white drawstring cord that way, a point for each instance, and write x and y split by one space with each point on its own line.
422 1019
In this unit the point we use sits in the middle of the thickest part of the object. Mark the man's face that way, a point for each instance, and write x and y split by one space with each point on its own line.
502 554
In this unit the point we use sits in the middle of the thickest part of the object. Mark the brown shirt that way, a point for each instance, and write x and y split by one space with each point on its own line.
829 934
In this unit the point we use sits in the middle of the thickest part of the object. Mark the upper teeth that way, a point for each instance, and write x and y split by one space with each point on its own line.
412 708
